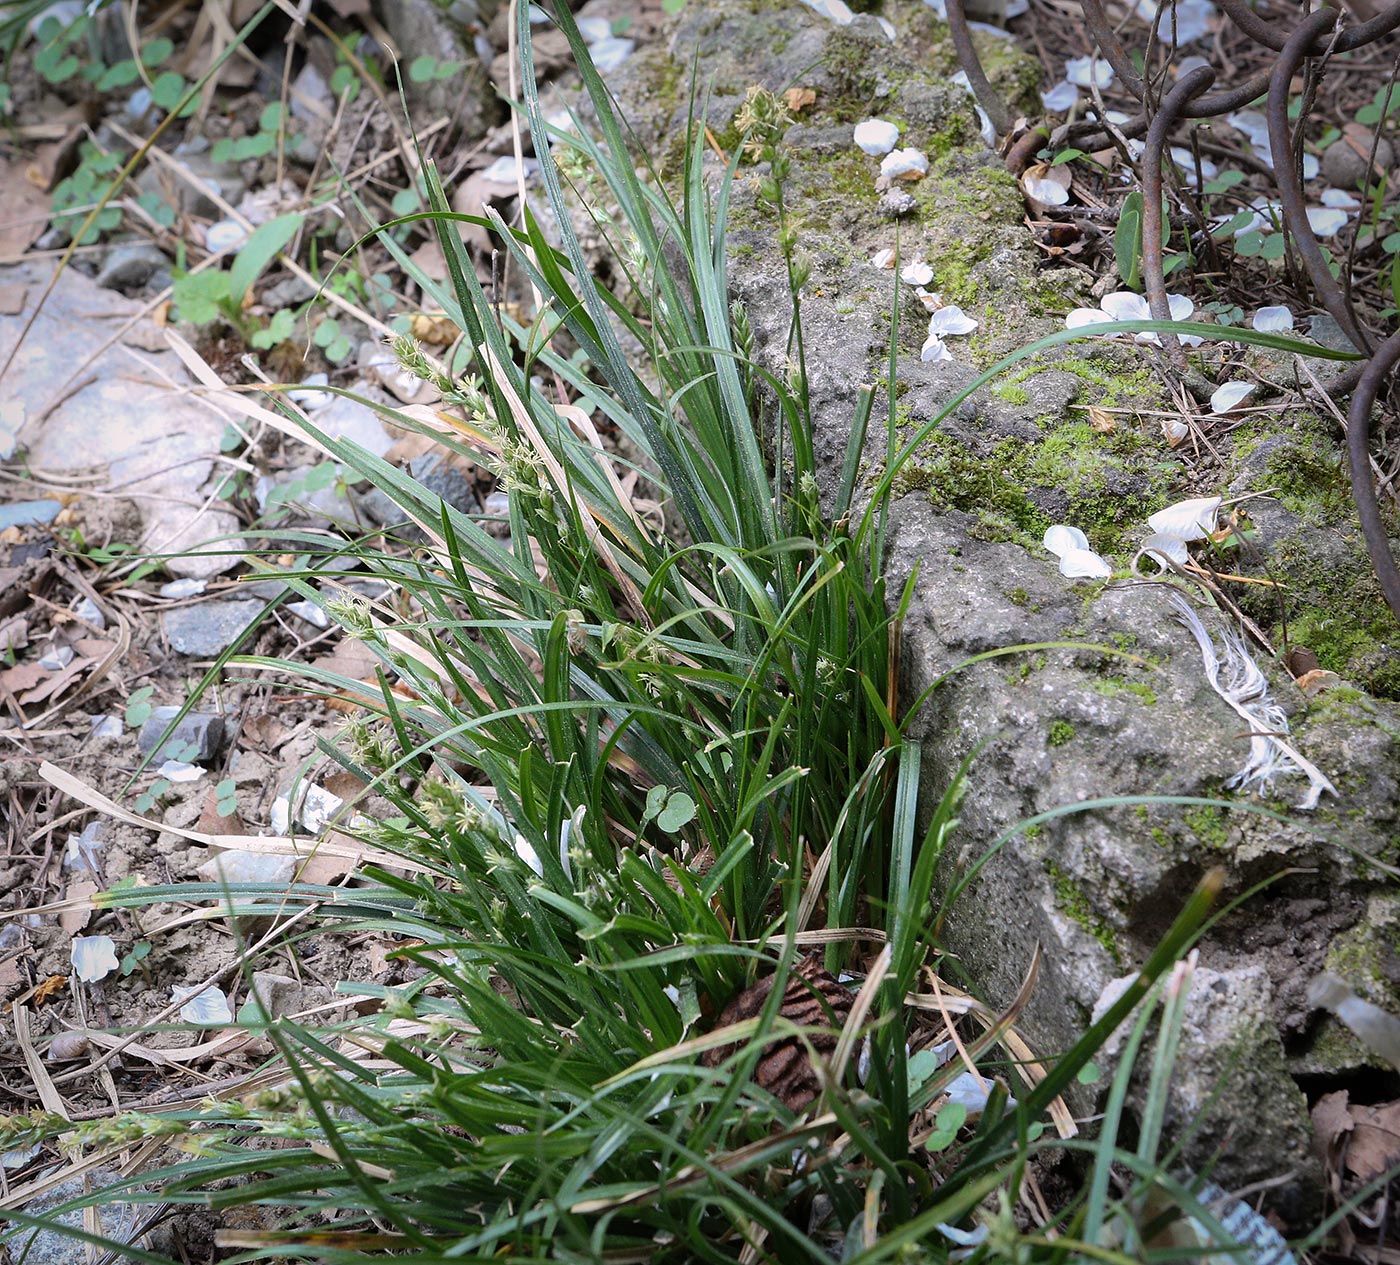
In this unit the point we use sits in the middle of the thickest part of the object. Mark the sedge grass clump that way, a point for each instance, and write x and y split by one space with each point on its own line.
631 771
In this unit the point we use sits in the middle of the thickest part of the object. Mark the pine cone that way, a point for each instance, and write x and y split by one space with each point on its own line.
814 998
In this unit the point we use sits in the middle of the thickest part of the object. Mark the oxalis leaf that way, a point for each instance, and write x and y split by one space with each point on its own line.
259 250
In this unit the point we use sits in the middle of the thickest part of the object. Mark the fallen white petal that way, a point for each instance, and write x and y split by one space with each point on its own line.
1229 394
987 28
1062 539
307 394
1253 125
940 7
1043 190
106 727
986 129
1124 305
610 53
93 957
1273 319
594 29
505 171
934 350
876 136
837 10
904 164
1015 8
224 235
949 321
931 299
1082 316
882 258
525 850
888 27
208 1007
1084 564
1171 546
1078 71
1061 98
182 588
1340 199
1326 221
1174 431
179 771
964 1238
1181 307
917 273
56 658
1186 160
1311 166
1188 520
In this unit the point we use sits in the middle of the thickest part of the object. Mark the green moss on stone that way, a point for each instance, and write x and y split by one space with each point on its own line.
1059 733
1077 907
1208 825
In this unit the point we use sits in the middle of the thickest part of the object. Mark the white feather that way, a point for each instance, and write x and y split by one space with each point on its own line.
1235 676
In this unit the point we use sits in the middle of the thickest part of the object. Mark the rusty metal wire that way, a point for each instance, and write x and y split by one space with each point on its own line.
1314 36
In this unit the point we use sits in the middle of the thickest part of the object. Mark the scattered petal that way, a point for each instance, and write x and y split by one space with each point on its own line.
1017 8
1193 519
876 136
505 171
179 771
1189 20
940 7
106 728
964 1238
1181 307
1273 320
1186 160
888 27
1172 547
951 320
56 658
207 1007
882 258
1084 564
1174 431
1229 395
1340 199
1042 188
93 957
1082 316
1061 539
931 299
1061 98
917 274
1124 305
837 10
308 396
985 127
1253 125
310 612
1311 166
182 588
525 850
996 32
610 53
224 235
1079 69
1326 221
594 29
904 164
934 350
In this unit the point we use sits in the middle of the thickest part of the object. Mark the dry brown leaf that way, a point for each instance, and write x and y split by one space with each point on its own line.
323 868
799 98
57 682
50 989
265 732
1318 681
1331 1119
12 295
434 328
23 676
1375 1140
74 920
1102 420
210 821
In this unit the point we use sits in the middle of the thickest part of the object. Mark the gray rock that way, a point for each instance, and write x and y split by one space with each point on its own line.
289 292
1345 168
130 266
51 1246
447 481
28 513
196 738
205 630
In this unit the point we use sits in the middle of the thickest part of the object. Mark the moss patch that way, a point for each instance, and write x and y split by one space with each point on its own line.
1076 906
1059 733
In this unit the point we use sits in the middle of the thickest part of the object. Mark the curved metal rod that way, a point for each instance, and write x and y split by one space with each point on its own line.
985 95
1290 188
1101 29
1359 459
1239 12
1187 87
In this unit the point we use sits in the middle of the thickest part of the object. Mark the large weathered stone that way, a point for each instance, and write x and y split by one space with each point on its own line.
1081 734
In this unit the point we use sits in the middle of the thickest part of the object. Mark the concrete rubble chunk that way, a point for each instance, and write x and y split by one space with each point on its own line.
206 629
196 738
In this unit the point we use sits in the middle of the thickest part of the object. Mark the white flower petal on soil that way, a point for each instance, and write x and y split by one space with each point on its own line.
931 299
1172 547
1190 20
1079 69
1188 520
964 1238
1186 160
1084 564
1340 199
1326 221
594 29
224 235
206 1007
1015 8
1174 431
1229 395
505 171
1061 98
1061 539
934 350
179 771
950 321
882 258
56 658
1253 125
182 588
876 136
1187 64
971 1091
1082 316
93 957
888 27
940 7
1273 320
1043 190
105 728
1311 166
610 53
1124 305
904 164
1181 307
996 32
917 274
525 850
308 395
985 127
